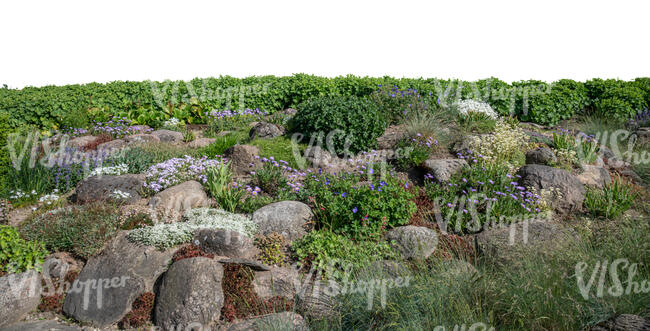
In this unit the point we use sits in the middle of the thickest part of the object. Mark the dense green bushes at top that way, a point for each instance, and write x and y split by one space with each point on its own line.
151 102
359 122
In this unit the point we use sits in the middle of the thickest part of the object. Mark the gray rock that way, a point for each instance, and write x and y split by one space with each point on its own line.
254 265
141 138
643 134
594 176
242 158
317 300
541 177
131 270
225 243
111 145
290 112
413 242
278 281
100 188
171 203
624 322
57 265
49 325
19 295
201 142
319 157
168 136
541 155
509 242
288 218
277 321
266 130
190 292
443 169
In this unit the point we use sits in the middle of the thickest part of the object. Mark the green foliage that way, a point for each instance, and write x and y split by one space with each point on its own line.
16 254
222 143
76 118
352 124
270 178
227 193
560 100
344 205
281 148
476 122
335 253
271 248
621 103
611 201
419 149
141 157
253 203
5 161
397 104
81 230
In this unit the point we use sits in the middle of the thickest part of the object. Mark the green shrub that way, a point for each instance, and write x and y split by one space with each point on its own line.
141 157
81 230
5 161
270 178
335 253
76 118
221 187
611 201
562 100
621 103
222 143
253 203
420 148
397 104
16 254
343 205
359 122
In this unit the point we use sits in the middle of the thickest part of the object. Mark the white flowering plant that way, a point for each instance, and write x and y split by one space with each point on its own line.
467 107
505 145
117 170
120 195
163 236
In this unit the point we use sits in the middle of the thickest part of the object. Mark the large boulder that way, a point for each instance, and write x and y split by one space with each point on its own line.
288 218
171 203
443 169
101 188
413 242
541 155
112 145
19 295
594 176
168 136
110 282
317 300
509 242
277 321
266 130
541 177
278 281
242 158
225 243
82 142
190 292
201 142
319 157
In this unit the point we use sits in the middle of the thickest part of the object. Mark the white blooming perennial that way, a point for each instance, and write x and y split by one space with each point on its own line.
120 195
472 106
172 122
117 170
163 236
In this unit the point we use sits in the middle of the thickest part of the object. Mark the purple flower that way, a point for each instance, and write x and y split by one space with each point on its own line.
354 210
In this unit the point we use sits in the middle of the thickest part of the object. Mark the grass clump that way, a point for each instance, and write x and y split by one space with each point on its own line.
612 200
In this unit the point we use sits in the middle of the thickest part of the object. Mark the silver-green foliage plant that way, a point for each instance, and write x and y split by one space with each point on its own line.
163 236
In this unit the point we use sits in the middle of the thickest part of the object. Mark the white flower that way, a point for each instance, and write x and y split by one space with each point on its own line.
172 122
120 195
115 171
472 106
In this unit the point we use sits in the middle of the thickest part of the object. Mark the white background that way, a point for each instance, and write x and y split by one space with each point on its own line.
62 42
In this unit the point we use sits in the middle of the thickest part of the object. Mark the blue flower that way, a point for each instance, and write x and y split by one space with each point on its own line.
354 210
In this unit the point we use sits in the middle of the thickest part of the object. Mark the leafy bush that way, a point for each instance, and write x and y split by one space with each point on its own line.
331 252
5 162
359 122
621 103
163 236
397 104
253 203
270 178
80 230
562 100
344 205
16 254
610 201
219 121
76 118
420 149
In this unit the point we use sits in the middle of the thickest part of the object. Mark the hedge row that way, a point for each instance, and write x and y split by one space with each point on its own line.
149 102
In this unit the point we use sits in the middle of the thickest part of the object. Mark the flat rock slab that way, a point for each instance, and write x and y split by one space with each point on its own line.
168 136
100 188
125 271
288 218
174 201
227 243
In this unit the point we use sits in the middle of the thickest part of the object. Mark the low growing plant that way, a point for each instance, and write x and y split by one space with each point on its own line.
221 187
271 248
612 200
18 255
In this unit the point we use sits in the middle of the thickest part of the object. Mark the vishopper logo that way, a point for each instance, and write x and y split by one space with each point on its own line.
598 278
614 139
186 92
